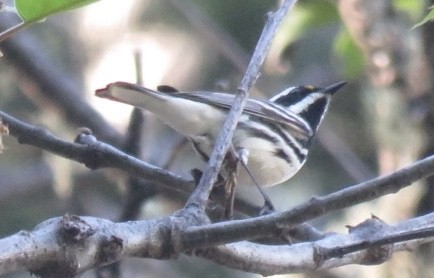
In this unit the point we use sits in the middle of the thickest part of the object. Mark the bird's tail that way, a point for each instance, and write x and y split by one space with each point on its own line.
132 94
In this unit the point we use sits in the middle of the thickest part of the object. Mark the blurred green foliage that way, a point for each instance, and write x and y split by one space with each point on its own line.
31 10
414 8
308 15
351 58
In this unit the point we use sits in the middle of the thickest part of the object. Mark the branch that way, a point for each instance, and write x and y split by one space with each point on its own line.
201 193
92 153
311 256
278 223
72 244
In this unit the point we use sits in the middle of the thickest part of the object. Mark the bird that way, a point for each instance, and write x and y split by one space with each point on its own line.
275 134
271 140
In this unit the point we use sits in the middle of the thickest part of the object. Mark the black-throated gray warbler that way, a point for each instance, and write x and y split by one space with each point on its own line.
275 133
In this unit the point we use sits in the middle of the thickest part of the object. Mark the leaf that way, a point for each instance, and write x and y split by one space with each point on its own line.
427 18
36 10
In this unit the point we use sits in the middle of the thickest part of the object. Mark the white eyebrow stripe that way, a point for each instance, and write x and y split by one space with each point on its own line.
305 103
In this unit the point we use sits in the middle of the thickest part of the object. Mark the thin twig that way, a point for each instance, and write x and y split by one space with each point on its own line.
200 195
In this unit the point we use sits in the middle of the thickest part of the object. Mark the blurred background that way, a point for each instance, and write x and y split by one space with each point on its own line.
380 121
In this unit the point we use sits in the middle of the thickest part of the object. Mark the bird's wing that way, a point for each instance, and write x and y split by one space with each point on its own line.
263 109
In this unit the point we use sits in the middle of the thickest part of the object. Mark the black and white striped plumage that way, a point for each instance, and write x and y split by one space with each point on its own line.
276 133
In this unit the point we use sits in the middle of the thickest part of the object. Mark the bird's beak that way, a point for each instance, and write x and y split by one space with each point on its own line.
334 88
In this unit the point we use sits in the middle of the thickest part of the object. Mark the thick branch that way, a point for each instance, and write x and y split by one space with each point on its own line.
72 244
